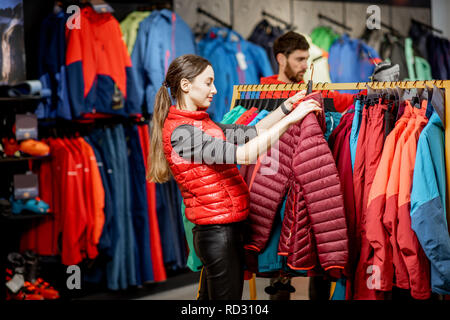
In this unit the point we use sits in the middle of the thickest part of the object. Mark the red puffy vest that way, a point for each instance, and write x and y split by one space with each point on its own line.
212 193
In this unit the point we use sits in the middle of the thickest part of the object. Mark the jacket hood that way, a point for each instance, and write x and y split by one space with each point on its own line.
175 113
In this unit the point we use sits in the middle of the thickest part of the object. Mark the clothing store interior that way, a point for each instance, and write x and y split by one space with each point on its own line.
357 210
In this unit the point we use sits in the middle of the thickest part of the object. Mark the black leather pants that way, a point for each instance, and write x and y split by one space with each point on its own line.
220 249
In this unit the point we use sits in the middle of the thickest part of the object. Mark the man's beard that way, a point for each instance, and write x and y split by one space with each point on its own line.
294 77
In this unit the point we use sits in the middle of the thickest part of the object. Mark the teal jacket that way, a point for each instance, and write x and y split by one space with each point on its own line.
428 211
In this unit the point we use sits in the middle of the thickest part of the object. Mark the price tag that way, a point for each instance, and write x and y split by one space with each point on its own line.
26 186
15 283
240 57
26 126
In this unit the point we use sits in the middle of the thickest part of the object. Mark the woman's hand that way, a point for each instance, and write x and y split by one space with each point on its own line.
291 101
303 109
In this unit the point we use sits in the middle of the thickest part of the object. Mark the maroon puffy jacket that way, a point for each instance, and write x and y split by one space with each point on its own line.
314 232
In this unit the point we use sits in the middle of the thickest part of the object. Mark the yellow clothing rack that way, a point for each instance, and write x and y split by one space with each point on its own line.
238 89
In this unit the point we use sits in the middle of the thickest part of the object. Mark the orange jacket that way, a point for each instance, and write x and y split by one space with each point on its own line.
411 251
388 223
376 233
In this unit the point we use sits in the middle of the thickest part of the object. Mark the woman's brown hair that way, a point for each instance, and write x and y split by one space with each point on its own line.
187 67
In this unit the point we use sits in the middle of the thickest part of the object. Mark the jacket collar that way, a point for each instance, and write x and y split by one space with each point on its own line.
167 14
175 113
273 80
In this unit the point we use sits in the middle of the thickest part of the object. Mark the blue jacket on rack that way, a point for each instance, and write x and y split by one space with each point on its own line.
351 60
235 61
162 37
428 211
52 67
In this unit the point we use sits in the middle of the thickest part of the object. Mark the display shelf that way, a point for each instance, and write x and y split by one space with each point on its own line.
20 99
15 105
24 215
24 158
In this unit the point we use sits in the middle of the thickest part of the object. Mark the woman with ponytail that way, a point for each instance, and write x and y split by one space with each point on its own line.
201 155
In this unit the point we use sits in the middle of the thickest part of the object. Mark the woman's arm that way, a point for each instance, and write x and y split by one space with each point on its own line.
249 152
278 114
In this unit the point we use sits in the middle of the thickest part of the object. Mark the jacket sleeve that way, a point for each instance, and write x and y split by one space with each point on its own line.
428 219
412 253
375 230
74 68
262 62
223 80
316 171
138 74
267 189
157 58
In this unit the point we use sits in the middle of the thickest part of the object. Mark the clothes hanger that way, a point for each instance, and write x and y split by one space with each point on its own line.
255 98
260 104
266 104
430 91
244 101
328 103
277 100
408 95
400 93
415 100
239 101
437 100
371 95
101 6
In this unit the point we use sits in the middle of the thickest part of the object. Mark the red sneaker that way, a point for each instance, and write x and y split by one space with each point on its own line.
27 292
46 290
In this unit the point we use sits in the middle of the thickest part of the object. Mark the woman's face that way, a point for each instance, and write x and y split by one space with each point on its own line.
202 89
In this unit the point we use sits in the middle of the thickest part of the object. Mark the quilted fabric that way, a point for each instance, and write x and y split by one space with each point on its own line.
213 194
314 231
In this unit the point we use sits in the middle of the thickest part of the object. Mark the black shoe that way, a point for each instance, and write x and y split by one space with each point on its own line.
31 266
16 263
270 290
5 207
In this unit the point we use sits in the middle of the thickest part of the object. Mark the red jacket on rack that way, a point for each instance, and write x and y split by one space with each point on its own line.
341 100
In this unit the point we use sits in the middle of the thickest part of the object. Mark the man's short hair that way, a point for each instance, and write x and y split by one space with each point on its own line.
289 42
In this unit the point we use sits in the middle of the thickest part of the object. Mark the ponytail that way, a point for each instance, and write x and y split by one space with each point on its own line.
159 170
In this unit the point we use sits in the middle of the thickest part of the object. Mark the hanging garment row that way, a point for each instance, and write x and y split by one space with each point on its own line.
89 75
70 66
362 161
421 55
107 219
391 236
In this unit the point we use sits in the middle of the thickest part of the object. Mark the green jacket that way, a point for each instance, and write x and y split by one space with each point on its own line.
130 27
418 68
323 37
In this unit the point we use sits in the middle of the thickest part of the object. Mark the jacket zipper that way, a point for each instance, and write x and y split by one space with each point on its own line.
293 219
